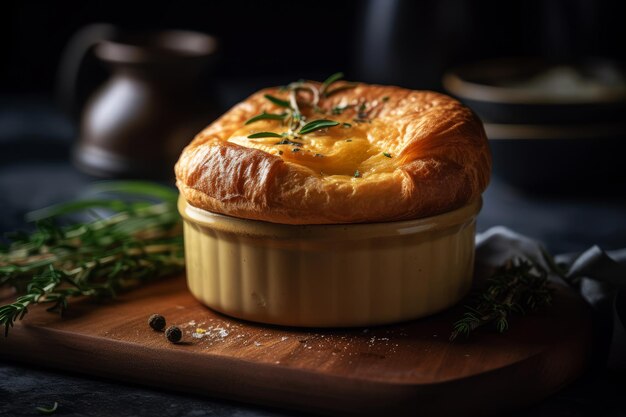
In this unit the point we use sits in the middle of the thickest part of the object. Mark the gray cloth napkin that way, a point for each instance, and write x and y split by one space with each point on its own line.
599 276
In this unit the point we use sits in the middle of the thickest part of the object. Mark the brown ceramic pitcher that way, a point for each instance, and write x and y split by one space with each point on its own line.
138 121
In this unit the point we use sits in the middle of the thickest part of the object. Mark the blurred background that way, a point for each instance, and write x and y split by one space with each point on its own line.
113 89
388 41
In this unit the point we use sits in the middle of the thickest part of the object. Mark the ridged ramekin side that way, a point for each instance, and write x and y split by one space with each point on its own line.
330 283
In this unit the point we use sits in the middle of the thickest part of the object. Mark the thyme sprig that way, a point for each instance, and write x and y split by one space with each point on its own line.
139 240
518 287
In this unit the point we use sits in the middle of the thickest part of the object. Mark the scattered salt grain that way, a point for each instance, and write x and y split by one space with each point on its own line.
221 332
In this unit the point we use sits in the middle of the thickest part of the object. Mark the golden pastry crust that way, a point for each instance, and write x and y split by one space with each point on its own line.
419 153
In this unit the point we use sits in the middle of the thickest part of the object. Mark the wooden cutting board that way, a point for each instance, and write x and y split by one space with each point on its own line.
408 368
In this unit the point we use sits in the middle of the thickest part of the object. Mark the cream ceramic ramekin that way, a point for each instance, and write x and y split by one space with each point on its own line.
329 275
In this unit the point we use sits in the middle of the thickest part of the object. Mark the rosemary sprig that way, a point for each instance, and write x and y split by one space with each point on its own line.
343 87
518 287
264 135
317 125
293 116
140 240
266 116
331 79
279 102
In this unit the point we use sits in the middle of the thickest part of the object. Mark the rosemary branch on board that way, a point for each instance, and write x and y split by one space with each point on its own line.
518 287
140 241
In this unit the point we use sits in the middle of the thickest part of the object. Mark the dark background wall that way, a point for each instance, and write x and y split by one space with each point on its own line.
403 42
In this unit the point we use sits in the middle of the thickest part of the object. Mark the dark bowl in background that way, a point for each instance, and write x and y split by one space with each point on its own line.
558 129
557 160
529 91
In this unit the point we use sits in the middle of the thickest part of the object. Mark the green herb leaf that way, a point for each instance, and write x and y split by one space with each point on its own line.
139 240
73 207
519 286
387 154
346 125
137 188
316 125
264 135
266 116
48 411
132 188
343 87
279 102
357 174
335 77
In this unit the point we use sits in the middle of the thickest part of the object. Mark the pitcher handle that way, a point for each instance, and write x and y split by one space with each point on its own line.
72 59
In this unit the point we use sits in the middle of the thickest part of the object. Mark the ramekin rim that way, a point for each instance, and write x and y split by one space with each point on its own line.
250 227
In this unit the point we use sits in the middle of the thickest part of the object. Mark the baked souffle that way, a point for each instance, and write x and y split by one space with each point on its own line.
337 152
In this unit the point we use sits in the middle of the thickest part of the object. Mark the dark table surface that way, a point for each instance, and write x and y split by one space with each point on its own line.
35 143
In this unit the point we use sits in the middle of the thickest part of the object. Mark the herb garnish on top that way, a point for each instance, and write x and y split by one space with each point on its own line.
293 117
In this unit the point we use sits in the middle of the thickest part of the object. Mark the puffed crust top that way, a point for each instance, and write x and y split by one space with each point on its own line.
440 161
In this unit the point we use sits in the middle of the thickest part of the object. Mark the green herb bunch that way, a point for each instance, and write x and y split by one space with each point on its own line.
140 240
518 287
292 115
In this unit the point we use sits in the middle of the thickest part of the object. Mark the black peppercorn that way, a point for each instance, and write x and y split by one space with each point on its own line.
157 322
174 334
